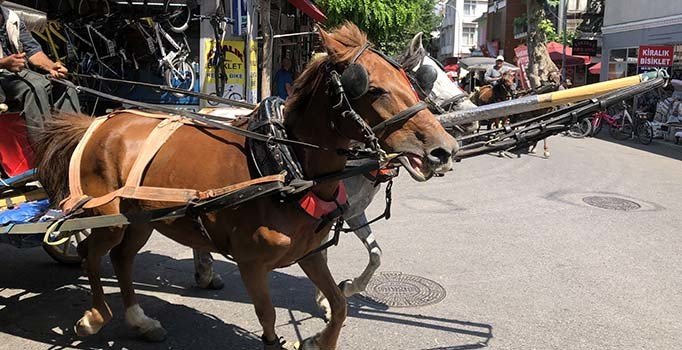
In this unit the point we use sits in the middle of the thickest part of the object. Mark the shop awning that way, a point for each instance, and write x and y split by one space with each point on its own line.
555 52
307 7
596 69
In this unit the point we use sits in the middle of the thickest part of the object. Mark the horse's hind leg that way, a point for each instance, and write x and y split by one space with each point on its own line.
359 284
99 242
316 269
122 258
204 275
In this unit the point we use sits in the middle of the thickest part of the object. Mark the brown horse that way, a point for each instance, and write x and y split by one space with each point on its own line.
261 234
502 91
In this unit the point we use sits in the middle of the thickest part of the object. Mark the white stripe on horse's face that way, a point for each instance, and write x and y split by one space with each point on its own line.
444 88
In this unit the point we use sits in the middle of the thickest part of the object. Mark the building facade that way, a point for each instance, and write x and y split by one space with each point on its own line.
459 31
628 24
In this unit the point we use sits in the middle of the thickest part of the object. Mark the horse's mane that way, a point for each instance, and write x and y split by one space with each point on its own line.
305 85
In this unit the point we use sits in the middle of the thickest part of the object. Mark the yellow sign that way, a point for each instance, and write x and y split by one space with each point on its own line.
235 66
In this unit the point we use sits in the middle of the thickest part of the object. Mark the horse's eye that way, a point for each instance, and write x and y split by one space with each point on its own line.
376 91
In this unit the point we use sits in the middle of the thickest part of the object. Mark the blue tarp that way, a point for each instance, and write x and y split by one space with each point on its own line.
24 212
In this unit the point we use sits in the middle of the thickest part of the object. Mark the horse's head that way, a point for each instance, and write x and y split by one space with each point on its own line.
379 90
429 75
508 84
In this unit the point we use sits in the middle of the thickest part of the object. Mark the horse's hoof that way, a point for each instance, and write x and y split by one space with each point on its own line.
212 281
86 326
309 344
154 335
216 283
346 287
546 154
324 306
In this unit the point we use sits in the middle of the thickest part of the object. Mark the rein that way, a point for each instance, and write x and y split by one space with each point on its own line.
201 118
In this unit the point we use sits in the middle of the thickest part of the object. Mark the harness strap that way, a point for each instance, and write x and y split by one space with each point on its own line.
75 189
401 116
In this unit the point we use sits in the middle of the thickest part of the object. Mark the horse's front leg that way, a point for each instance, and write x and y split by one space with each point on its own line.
204 274
316 269
364 233
255 277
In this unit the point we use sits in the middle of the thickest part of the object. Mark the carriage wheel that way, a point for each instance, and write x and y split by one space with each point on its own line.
66 253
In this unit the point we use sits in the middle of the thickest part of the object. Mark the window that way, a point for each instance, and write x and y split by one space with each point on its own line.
469 7
623 62
468 36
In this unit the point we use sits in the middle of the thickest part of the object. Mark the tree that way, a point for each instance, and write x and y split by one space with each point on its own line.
541 69
389 24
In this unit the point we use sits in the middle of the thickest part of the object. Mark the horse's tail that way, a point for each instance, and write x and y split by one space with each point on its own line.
54 144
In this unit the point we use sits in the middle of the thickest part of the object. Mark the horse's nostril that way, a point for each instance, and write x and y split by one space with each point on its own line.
440 154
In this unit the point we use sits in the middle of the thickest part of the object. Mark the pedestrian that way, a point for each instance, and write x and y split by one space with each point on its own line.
32 91
284 79
494 73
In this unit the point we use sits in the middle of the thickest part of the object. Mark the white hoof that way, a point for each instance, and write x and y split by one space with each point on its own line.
148 328
546 154
348 288
85 328
324 306
309 344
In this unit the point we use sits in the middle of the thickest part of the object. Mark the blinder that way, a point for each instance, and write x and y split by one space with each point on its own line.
355 81
426 77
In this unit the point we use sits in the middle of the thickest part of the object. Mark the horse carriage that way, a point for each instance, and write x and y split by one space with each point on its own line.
278 182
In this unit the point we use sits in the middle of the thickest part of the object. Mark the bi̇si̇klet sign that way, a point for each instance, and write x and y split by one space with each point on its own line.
654 56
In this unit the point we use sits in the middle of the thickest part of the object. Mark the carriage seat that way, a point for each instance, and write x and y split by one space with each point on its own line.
16 154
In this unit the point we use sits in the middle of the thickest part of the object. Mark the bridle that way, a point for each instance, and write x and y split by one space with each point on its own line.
338 88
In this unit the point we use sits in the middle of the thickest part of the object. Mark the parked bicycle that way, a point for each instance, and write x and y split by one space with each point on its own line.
173 62
217 55
622 126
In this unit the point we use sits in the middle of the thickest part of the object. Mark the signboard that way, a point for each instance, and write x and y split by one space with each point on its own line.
235 67
655 56
652 57
584 47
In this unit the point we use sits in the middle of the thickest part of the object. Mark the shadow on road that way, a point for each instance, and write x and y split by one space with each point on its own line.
41 301
659 147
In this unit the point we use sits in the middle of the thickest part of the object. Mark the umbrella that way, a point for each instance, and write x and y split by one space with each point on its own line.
481 63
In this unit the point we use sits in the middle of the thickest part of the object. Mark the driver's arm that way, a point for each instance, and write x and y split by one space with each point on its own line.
36 56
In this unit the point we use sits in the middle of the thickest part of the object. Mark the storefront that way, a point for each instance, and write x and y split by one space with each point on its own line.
622 42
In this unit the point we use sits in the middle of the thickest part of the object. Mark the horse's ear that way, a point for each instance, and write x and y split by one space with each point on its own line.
333 46
416 43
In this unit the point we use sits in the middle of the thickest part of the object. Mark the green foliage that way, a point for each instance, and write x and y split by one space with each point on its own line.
547 28
390 24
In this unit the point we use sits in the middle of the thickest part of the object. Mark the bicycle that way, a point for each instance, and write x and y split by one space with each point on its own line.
580 129
229 94
217 56
622 126
173 65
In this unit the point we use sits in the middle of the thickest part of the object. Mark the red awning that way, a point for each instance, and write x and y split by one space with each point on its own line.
596 69
555 52
307 7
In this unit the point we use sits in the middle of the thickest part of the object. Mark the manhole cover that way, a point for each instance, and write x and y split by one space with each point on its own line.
612 203
397 289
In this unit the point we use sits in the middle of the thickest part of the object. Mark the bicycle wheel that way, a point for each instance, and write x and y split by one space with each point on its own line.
181 76
596 130
645 132
94 7
580 129
178 16
623 132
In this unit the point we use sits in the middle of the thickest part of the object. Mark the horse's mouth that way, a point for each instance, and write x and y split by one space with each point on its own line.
415 166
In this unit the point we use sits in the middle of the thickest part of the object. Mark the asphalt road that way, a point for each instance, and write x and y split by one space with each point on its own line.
525 264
